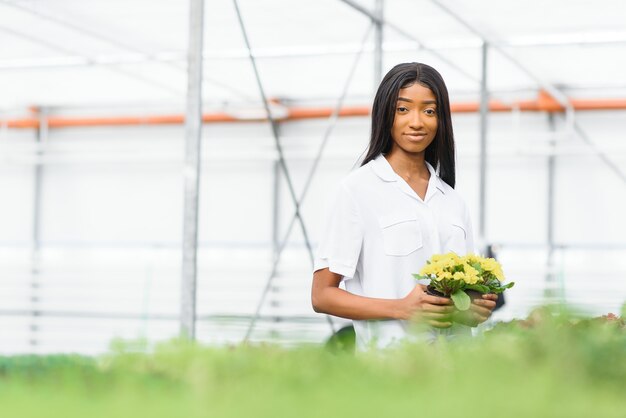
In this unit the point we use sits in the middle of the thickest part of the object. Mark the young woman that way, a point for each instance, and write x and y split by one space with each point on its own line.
393 213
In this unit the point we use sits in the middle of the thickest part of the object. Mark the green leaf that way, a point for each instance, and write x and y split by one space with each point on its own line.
461 300
478 287
477 267
499 288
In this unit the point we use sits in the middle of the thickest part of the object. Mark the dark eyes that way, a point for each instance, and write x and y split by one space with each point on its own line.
429 111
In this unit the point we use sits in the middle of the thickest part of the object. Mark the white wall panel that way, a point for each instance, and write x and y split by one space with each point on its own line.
112 217
16 209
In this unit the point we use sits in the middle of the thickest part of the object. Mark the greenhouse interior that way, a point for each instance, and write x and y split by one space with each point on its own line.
166 165
268 208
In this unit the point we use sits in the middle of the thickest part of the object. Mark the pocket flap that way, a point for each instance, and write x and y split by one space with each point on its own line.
401 233
396 217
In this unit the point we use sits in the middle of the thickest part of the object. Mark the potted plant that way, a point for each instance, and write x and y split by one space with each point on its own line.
463 278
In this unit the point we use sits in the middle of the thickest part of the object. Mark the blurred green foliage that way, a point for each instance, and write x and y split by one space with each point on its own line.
553 364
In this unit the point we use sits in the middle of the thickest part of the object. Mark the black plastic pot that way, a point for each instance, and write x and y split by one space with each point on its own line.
474 294
431 291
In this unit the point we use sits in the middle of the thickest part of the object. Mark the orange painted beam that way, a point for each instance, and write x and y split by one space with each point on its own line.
324 112
62 122
543 103
590 104
28 123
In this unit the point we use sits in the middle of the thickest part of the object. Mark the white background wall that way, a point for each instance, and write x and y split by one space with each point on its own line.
111 225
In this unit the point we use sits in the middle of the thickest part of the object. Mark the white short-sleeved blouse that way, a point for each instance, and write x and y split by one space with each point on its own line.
378 232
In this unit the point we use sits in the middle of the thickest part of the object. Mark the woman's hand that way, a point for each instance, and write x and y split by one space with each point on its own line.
480 310
327 297
436 311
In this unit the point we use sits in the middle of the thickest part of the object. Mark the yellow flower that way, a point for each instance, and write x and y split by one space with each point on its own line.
488 264
491 265
471 259
499 273
471 275
427 270
448 259
443 266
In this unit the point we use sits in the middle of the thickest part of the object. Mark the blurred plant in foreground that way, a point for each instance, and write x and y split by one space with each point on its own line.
554 363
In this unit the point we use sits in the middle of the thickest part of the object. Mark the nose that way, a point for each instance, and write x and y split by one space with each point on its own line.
416 120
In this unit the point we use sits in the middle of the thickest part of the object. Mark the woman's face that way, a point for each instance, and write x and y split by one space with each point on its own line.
415 122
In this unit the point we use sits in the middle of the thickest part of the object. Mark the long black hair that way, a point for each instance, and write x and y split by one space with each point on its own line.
440 153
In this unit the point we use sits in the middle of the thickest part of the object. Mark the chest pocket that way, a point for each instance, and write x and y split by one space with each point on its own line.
401 233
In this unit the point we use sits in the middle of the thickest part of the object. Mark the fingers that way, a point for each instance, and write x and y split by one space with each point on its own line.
439 324
480 314
490 296
426 307
441 317
435 319
486 303
479 318
436 300
469 318
482 311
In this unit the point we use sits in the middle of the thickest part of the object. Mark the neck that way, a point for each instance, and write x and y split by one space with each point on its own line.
408 166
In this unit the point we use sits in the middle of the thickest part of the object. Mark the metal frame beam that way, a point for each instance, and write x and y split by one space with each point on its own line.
87 31
484 112
281 155
269 53
407 35
378 43
298 200
35 263
191 170
553 91
549 291
87 60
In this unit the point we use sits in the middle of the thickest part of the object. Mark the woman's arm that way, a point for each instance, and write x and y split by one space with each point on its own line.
327 297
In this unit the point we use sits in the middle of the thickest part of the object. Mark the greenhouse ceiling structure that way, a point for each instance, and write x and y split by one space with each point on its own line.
74 53
111 227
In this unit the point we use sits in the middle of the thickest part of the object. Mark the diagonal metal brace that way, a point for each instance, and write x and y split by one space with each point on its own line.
332 123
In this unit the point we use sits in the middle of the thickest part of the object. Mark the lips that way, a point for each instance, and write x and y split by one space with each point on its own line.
416 136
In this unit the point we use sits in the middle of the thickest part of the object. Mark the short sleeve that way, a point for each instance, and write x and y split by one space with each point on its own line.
340 242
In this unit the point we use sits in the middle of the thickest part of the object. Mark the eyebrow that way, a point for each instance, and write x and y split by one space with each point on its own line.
404 99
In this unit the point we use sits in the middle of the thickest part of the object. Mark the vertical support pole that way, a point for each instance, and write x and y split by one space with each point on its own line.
35 265
549 290
484 110
273 291
191 170
41 138
276 210
378 44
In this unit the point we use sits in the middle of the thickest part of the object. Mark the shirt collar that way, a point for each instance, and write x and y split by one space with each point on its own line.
383 169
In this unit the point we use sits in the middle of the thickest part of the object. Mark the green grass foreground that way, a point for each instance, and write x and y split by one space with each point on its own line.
547 366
